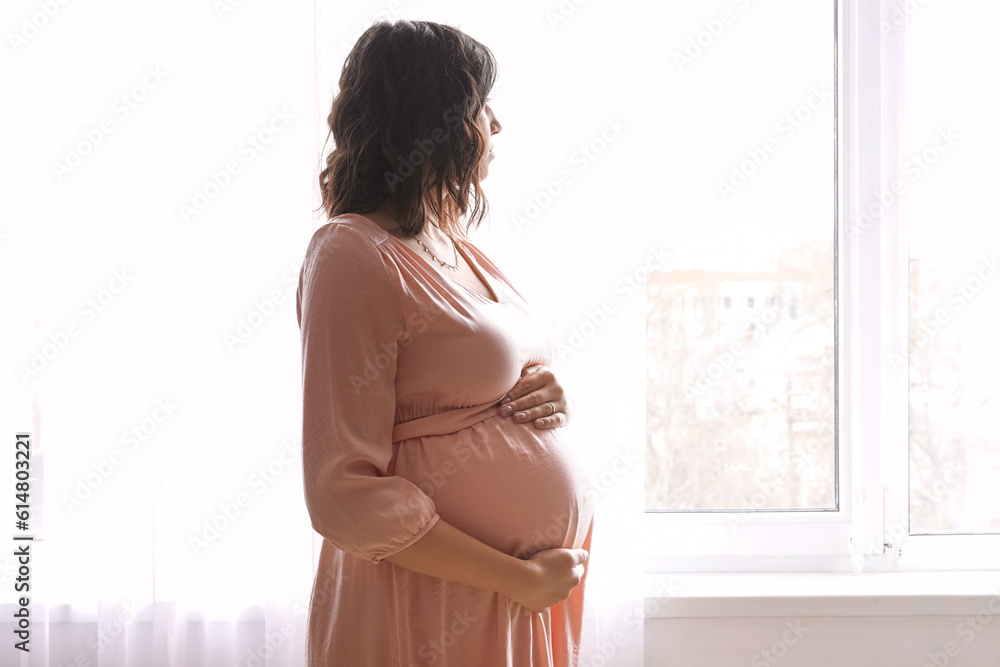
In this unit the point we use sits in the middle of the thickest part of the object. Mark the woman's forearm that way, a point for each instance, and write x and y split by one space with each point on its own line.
448 553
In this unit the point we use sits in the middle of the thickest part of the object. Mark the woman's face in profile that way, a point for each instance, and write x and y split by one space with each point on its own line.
489 124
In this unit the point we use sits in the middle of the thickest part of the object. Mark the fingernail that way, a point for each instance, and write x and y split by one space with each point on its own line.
506 399
519 416
505 410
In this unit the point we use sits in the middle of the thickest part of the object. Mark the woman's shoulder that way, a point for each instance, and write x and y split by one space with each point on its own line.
349 233
351 226
350 240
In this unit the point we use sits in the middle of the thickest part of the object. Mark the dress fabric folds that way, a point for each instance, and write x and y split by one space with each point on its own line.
402 372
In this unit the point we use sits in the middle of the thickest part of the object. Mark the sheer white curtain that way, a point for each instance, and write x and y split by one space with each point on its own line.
157 211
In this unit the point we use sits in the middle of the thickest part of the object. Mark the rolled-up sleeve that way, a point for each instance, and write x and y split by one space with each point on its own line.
350 318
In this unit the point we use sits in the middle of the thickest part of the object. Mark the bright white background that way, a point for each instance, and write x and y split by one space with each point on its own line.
201 315
126 311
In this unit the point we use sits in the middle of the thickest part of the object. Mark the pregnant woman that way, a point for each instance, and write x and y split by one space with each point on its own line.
454 518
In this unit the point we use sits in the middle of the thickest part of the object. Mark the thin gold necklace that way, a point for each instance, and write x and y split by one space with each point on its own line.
444 264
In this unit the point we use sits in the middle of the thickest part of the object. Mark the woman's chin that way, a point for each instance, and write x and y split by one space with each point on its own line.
484 165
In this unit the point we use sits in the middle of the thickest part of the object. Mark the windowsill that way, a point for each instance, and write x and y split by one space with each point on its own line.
821 594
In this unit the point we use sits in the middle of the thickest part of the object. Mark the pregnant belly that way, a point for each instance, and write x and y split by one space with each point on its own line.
512 486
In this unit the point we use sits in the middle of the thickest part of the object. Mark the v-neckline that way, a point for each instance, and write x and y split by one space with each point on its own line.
426 264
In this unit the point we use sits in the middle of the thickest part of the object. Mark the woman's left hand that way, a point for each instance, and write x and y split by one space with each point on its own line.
538 396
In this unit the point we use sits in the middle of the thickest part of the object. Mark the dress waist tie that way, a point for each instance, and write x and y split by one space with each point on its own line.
445 422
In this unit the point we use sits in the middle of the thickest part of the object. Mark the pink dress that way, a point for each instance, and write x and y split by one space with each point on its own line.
402 372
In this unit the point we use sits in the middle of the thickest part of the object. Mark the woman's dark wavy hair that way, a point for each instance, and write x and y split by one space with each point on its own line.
405 126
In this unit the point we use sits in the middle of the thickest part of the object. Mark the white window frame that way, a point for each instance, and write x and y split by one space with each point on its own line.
865 533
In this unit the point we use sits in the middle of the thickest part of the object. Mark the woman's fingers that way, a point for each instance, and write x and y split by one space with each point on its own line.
537 397
553 574
542 414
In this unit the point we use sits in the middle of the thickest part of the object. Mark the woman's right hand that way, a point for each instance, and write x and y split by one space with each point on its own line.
550 576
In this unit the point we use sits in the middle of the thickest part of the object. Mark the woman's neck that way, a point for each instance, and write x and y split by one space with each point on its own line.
386 218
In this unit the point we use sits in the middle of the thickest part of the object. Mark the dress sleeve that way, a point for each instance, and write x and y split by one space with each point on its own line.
350 319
